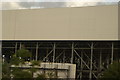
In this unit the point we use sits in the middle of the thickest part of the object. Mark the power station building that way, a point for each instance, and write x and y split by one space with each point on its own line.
84 36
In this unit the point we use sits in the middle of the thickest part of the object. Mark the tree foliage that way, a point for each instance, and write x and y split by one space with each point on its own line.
18 73
41 77
35 63
18 58
16 61
5 70
112 73
23 53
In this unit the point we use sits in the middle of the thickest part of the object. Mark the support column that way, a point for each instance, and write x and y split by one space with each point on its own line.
64 57
1 56
20 45
100 60
15 47
112 53
54 52
81 65
46 60
91 59
36 56
72 55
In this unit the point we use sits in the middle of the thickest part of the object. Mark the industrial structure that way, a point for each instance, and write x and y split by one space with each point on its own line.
90 57
85 36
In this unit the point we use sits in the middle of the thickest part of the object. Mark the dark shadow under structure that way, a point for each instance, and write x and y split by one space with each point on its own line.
90 57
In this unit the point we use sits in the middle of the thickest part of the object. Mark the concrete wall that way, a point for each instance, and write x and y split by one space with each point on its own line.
83 23
61 70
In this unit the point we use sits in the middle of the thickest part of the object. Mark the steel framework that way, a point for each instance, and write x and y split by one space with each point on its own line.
91 57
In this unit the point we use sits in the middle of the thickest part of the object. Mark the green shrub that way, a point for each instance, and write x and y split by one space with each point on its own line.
16 61
35 63
41 77
23 53
18 73
112 73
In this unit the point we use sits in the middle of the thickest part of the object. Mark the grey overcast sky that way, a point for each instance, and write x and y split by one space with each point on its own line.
31 4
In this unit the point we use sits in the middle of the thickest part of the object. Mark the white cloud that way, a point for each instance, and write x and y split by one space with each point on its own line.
11 5
59 0
76 4
20 4
20 1
88 2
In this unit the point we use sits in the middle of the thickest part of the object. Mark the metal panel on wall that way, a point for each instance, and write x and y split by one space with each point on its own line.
80 23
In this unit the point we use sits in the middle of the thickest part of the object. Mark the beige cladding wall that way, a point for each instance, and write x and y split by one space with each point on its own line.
83 23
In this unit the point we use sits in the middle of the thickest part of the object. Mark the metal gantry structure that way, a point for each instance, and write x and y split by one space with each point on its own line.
90 57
